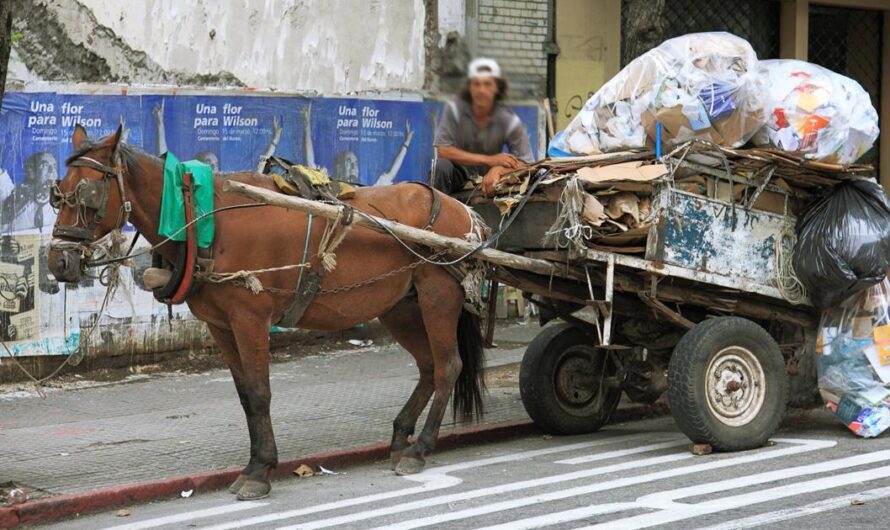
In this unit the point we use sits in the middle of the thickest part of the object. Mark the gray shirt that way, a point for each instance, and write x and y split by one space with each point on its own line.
457 127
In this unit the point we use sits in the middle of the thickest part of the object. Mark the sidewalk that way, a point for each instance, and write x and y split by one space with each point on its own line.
155 427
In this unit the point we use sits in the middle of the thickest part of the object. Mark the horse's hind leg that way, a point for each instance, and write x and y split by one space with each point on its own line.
440 299
225 341
405 324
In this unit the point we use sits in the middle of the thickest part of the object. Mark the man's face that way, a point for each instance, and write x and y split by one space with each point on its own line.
347 168
483 90
45 173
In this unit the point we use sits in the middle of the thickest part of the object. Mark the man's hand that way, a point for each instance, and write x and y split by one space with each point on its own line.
505 160
491 179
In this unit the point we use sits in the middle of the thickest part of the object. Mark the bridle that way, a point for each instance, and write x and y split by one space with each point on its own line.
93 195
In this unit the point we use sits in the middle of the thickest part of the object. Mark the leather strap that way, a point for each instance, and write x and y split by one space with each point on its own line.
191 241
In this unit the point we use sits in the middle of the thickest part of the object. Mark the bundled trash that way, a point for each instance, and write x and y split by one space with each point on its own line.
606 201
711 86
817 113
843 242
853 360
708 86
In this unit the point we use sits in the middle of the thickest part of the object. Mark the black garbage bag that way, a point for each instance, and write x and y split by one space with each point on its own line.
843 242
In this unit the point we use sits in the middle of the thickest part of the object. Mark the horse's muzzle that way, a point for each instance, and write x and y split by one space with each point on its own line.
65 264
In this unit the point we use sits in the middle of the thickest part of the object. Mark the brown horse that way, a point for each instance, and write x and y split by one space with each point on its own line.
422 307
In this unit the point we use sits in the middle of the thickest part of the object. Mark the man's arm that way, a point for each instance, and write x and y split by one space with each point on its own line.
518 141
158 112
267 154
388 177
308 150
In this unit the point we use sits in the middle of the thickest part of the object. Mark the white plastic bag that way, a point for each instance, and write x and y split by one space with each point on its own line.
701 85
817 113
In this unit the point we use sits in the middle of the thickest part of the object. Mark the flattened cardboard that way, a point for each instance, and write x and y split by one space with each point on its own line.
632 171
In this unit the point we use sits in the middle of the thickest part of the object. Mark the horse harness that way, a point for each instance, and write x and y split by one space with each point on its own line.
309 287
89 194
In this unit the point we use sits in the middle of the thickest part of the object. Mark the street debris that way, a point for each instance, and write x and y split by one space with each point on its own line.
304 471
358 342
16 496
187 493
324 471
123 513
857 502
701 449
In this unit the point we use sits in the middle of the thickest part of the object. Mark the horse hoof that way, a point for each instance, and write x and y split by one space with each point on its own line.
254 489
236 486
394 458
409 465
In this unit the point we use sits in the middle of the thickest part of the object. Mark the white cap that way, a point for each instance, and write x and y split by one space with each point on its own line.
484 67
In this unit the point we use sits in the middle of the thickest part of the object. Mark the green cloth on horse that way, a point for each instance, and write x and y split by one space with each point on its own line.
173 205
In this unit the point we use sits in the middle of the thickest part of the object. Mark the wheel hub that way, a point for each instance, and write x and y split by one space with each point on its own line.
574 379
734 383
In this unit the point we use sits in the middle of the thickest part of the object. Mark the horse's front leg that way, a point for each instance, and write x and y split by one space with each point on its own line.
252 338
225 341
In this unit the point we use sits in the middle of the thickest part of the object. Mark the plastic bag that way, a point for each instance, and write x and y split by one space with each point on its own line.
853 359
702 85
843 242
817 113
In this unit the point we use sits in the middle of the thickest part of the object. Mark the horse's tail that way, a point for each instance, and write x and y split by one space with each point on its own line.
470 383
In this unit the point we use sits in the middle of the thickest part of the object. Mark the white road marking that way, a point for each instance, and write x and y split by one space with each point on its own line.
687 511
433 479
825 505
803 447
666 501
484 492
626 452
189 516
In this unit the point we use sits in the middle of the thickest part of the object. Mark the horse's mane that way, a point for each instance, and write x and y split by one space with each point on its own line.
131 156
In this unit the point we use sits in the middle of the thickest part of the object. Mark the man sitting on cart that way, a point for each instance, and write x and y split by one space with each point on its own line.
473 130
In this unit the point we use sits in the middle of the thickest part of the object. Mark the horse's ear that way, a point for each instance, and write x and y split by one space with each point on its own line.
80 134
115 139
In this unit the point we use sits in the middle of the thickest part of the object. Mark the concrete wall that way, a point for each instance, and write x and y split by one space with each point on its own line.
326 46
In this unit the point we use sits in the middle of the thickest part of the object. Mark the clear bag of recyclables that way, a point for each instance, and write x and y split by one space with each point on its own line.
817 113
702 85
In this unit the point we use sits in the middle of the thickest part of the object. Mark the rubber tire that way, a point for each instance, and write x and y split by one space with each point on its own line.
537 387
686 384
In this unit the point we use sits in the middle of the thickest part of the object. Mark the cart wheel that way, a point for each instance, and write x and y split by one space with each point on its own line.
727 384
567 385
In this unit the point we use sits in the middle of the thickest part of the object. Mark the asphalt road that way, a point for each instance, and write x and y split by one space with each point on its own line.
813 475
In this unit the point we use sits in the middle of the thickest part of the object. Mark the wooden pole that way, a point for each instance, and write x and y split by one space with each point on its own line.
407 233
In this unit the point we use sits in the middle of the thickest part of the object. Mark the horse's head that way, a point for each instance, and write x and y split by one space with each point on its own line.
90 200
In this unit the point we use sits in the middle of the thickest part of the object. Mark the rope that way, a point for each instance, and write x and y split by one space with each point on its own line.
247 278
334 233
568 222
786 280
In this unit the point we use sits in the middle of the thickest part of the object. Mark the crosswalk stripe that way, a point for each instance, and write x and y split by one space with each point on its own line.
190 516
806 446
824 505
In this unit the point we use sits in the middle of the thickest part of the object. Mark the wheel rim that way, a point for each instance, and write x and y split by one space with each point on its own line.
578 389
734 383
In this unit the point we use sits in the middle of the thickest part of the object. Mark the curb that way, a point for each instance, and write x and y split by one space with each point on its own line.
56 508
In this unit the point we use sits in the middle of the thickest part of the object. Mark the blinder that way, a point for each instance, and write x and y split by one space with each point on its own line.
88 195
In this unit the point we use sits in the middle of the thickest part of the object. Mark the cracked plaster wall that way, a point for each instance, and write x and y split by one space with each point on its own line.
325 46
